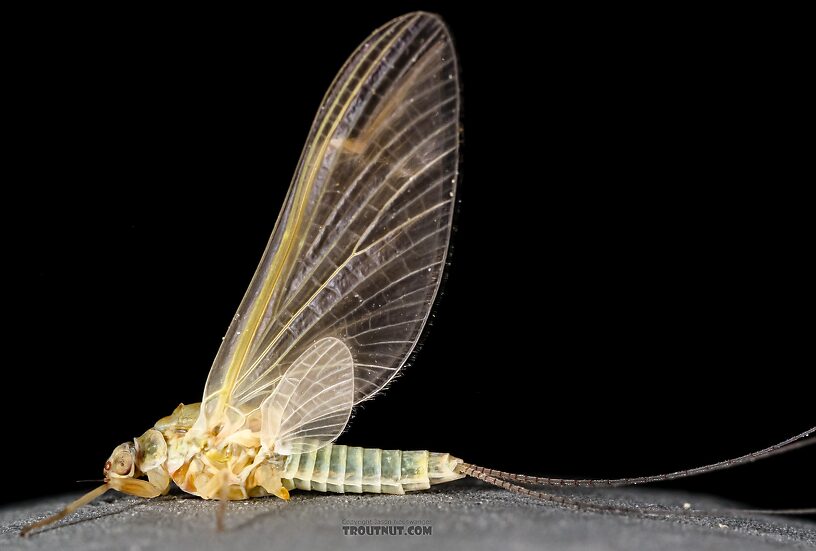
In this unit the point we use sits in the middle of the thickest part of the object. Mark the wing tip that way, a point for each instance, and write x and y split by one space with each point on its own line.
421 16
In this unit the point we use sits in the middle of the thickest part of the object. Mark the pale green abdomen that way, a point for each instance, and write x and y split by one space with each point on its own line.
346 469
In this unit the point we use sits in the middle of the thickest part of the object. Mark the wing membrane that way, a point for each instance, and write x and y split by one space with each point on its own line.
312 403
358 250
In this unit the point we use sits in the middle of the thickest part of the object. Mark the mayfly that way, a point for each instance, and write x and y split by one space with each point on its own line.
342 293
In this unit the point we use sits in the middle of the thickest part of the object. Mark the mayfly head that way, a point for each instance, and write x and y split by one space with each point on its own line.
144 456
122 462
129 461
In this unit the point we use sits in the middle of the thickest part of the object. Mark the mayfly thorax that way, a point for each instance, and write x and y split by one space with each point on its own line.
338 302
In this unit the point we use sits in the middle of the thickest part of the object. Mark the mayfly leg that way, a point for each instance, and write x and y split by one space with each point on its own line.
70 508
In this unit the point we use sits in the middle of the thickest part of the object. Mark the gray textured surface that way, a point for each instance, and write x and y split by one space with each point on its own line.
464 515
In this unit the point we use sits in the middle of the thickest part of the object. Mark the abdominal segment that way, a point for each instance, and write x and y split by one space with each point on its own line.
346 469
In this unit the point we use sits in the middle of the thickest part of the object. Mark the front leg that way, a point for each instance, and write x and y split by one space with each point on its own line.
132 486
140 488
73 506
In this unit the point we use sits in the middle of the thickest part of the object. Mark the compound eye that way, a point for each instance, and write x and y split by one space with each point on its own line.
121 463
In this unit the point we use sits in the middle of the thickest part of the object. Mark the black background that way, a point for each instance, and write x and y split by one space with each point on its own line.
631 288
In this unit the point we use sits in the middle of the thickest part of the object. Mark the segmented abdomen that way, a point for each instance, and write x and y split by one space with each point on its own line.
347 469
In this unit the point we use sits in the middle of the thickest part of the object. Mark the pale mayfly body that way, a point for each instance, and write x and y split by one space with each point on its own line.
340 298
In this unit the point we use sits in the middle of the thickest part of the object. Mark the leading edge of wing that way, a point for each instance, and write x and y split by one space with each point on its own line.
376 88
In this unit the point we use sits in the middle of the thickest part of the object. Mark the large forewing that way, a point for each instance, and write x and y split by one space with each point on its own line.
358 251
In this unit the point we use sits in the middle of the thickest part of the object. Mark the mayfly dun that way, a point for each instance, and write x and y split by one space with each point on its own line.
340 298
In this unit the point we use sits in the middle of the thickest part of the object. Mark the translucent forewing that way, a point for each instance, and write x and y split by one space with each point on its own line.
358 251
